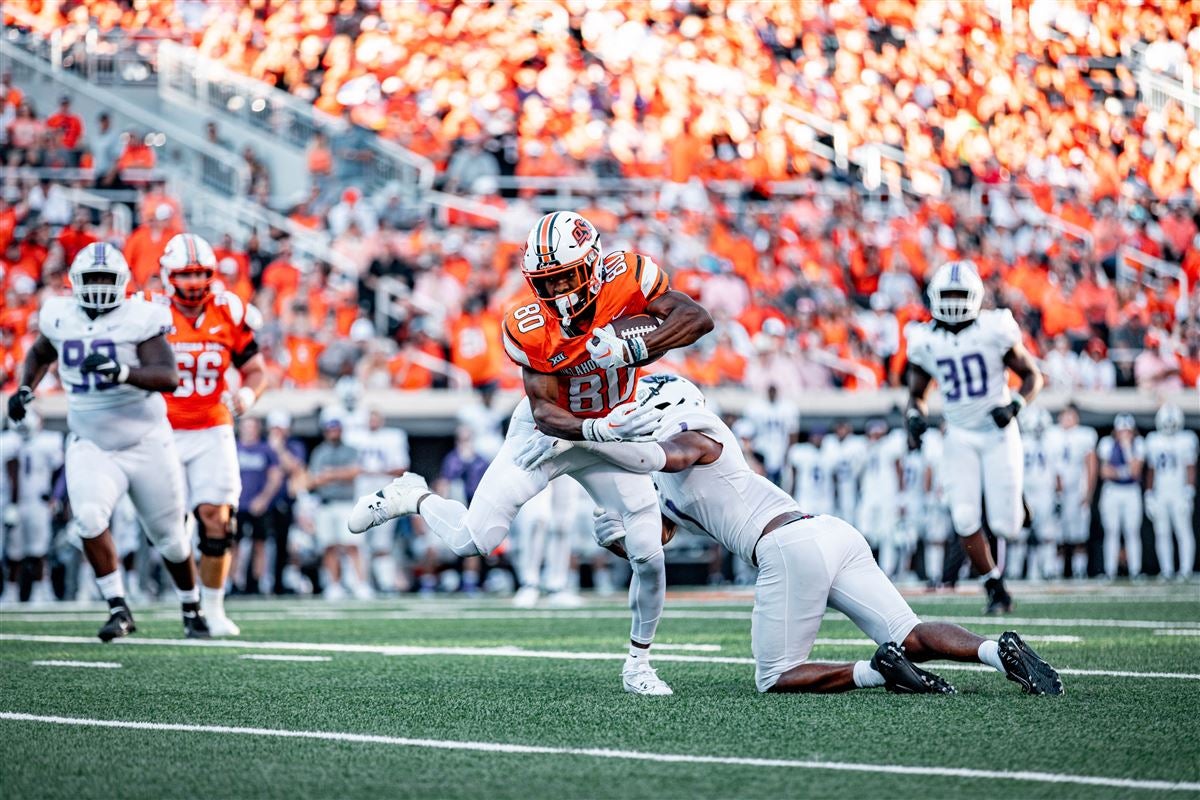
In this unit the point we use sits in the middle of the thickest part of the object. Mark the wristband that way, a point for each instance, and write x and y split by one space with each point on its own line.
638 351
1019 401
123 374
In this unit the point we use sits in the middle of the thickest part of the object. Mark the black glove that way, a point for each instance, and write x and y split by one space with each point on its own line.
1002 415
917 425
101 365
17 403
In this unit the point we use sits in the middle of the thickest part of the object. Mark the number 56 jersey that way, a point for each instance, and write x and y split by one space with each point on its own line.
968 366
535 340
113 415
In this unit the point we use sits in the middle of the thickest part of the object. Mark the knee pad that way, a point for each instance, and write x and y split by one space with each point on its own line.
176 550
90 521
211 546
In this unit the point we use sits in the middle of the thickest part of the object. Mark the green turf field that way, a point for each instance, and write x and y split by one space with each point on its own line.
410 698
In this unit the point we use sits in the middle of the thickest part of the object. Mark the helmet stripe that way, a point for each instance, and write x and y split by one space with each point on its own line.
101 257
549 230
954 272
190 241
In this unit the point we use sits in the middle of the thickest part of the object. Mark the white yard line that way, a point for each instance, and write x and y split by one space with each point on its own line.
697 648
270 657
1178 632
627 755
92 664
504 652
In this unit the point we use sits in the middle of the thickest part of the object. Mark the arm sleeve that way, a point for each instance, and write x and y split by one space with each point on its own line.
639 457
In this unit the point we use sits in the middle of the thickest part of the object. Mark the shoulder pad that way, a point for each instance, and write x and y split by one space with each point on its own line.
233 306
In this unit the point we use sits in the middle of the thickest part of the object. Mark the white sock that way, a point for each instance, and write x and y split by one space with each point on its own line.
191 595
866 676
212 600
995 573
111 585
989 653
636 652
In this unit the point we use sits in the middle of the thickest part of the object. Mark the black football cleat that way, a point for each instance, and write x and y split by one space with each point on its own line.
999 600
901 676
1025 667
120 623
195 626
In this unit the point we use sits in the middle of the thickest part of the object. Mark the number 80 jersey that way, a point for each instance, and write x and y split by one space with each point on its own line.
534 339
222 334
968 366
113 415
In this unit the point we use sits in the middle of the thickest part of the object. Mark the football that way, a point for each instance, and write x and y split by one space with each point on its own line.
635 325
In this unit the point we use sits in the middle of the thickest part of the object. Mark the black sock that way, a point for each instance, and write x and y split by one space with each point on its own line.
117 602
191 607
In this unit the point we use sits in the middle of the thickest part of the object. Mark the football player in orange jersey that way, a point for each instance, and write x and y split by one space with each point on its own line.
579 376
212 331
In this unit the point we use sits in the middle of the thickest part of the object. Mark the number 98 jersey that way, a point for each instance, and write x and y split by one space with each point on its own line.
222 334
534 339
113 415
968 366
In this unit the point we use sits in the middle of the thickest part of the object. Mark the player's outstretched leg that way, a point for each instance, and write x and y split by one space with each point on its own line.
889 668
1008 655
397 499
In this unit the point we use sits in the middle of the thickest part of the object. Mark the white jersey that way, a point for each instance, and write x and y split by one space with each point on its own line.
113 415
813 483
774 425
1041 468
881 468
1074 446
914 465
37 459
846 459
968 366
380 452
1170 455
10 442
725 500
1113 455
485 424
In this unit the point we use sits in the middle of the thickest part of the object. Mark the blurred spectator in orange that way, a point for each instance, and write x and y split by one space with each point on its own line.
147 243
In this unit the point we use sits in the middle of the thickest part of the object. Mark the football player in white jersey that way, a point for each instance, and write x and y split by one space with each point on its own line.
114 363
845 451
968 353
879 489
916 486
1040 438
805 563
938 527
1078 470
809 477
1171 490
776 423
1121 458
39 454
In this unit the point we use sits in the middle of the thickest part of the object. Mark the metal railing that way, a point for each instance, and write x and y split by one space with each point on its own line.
1133 263
188 78
1157 88
182 152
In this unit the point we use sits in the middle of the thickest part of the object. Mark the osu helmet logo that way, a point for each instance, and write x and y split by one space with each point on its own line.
581 232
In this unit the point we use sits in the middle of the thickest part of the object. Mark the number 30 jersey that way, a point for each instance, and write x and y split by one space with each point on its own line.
222 334
535 340
968 366
113 415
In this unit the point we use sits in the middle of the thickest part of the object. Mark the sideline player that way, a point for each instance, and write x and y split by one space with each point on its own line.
39 455
805 563
210 331
115 363
1122 456
1040 441
809 477
578 378
1171 490
967 351
1078 470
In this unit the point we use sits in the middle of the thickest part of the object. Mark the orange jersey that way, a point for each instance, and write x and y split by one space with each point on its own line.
534 340
205 347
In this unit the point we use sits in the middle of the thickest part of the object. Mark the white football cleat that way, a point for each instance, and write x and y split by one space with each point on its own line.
397 499
221 625
526 597
640 678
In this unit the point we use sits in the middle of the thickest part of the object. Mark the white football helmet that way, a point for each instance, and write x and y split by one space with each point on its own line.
99 275
563 264
349 392
1036 420
189 267
1169 418
1124 422
671 396
955 293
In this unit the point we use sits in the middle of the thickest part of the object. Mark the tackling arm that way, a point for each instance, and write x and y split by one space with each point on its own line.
683 322
674 455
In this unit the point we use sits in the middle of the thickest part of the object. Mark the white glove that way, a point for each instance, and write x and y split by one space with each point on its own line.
610 350
538 449
243 399
607 527
628 422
